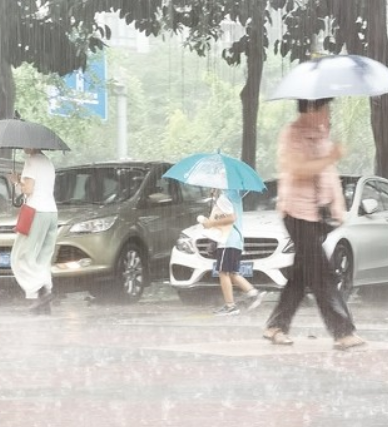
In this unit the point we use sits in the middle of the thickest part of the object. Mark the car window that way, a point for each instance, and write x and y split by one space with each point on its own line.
371 191
192 193
265 200
97 185
349 191
384 194
349 184
4 192
4 188
75 186
161 190
128 182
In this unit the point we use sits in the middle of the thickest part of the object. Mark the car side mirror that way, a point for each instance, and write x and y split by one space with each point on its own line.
369 206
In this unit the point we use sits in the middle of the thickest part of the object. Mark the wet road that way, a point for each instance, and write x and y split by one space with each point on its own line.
161 363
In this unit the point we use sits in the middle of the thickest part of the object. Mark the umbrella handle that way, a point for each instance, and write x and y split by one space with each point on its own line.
17 200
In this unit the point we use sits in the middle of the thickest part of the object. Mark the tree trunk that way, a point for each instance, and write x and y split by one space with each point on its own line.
347 12
7 84
378 49
7 99
251 91
379 114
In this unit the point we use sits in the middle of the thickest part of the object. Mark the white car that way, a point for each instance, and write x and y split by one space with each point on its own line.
268 250
358 249
268 253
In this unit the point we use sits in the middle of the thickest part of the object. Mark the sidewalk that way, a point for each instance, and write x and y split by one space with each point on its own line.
254 383
157 366
244 348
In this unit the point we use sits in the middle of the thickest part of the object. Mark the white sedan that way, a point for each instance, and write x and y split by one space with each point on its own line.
358 249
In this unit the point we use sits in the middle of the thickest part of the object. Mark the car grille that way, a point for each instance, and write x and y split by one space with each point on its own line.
7 229
69 253
254 248
259 278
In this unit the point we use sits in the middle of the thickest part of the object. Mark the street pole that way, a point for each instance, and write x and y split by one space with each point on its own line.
121 96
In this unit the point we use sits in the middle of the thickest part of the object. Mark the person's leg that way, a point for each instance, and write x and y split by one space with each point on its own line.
292 294
241 282
225 265
43 261
252 297
24 257
226 287
45 255
332 306
229 308
232 265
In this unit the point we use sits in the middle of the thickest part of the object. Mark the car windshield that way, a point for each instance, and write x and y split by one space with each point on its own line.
4 192
267 199
349 184
100 185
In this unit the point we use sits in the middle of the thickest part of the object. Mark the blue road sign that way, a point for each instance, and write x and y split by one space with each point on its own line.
82 89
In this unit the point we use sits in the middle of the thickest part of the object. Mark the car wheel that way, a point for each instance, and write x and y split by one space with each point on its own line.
131 273
343 269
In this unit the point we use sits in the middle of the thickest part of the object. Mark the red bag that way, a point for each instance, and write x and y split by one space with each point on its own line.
25 218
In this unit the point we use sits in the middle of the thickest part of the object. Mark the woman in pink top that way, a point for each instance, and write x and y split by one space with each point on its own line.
309 180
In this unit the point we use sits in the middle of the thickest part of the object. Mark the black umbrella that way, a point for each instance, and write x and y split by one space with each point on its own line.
15 133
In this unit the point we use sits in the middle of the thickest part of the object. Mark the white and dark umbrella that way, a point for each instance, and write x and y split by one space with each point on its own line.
334 76
16 133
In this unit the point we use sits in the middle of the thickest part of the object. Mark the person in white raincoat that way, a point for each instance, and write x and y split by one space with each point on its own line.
31 254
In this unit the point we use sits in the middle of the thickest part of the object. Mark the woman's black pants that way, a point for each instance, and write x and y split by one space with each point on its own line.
311 269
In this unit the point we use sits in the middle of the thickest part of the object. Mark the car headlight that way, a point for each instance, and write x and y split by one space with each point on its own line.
185 244
289 248
94 225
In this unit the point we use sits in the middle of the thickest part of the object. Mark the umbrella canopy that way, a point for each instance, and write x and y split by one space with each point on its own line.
333 76
216 171
15 133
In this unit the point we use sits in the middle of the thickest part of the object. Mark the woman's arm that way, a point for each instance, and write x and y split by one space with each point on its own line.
338 206
220 221
297 162
27 186
302 167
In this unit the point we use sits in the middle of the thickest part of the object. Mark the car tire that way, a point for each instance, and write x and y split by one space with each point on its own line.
131 274
342 260
130 278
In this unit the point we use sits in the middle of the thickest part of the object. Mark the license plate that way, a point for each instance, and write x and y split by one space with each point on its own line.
246 269
5 260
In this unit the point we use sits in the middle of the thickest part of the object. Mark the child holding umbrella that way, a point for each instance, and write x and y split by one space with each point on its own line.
226 218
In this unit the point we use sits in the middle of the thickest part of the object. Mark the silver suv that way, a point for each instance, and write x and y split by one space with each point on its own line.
118 222
8 213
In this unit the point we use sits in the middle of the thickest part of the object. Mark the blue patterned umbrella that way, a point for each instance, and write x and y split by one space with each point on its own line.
216 171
